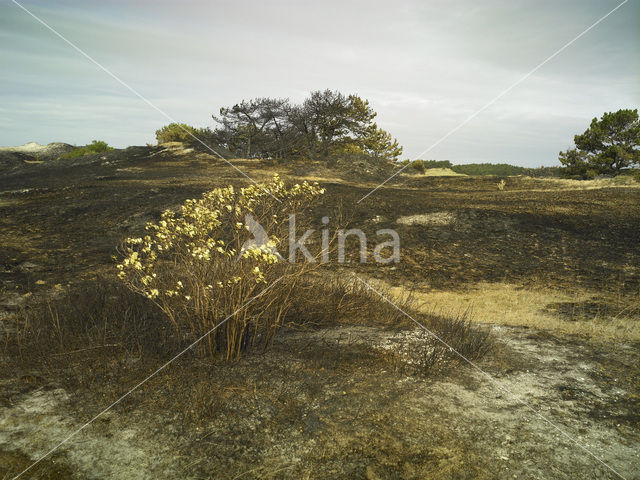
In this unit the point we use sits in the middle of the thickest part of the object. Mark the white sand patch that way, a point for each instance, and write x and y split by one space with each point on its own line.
111 447
35 148
434 219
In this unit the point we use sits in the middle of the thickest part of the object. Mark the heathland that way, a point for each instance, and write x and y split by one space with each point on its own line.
535 281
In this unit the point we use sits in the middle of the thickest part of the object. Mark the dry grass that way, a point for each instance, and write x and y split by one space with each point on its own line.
101 317
621 181
437 172
344 301
584 313
105 322
9 202
326 299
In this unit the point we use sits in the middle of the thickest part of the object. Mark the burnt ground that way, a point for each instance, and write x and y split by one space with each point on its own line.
338 401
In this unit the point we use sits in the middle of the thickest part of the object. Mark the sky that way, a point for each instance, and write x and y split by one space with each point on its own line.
425 66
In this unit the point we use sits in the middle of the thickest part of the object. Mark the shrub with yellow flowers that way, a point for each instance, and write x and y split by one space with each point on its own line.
195 265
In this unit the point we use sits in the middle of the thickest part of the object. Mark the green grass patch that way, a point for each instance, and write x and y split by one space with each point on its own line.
96 146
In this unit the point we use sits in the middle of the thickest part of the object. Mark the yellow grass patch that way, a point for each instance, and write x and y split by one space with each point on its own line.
509 304
567 184
434 172
8 202
442 172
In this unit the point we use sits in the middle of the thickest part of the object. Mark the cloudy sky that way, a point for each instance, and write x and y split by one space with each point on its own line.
425 66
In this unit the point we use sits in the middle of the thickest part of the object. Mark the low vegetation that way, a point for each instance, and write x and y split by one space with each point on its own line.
106 320
96 146
178 132
201 269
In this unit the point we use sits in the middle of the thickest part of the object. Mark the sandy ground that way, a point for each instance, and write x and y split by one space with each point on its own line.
376 422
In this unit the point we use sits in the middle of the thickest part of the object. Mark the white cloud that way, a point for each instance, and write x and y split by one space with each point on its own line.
425 66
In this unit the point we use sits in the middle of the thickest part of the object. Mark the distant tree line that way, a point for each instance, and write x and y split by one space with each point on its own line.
325 125
497 169
504 170
609 147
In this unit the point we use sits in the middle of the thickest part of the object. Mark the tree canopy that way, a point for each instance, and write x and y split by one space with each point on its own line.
325 124
608 146
177 132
